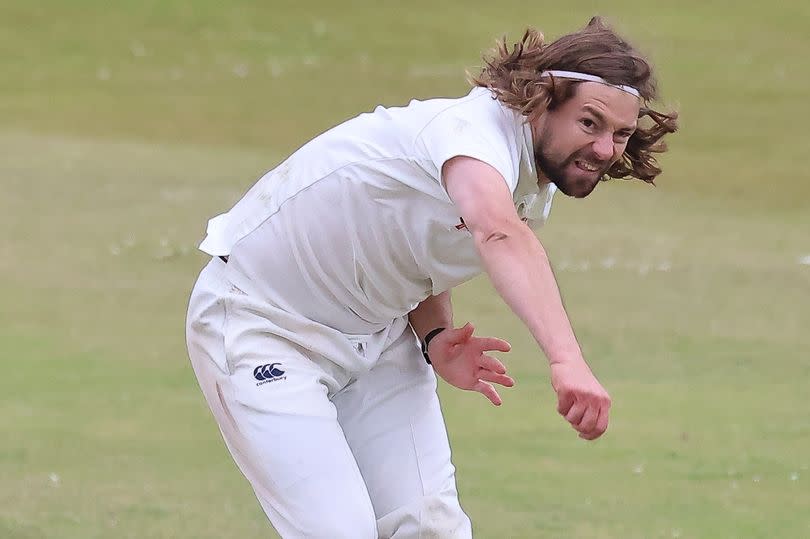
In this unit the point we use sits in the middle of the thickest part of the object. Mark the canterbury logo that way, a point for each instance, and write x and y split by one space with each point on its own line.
268 373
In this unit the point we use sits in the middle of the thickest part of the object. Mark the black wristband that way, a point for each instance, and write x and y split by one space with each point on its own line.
426 342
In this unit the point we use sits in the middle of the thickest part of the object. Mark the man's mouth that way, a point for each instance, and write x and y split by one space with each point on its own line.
587 166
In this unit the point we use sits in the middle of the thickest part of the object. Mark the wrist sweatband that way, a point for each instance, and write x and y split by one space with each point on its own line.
426 342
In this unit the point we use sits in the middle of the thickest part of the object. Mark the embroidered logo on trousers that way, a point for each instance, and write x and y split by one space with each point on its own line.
268 373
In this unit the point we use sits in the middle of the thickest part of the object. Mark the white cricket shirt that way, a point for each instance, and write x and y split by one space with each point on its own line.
355 228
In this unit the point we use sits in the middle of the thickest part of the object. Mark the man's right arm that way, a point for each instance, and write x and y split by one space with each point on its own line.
518 267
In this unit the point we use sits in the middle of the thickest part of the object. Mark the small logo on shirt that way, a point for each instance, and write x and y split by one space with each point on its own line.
268 373
462 225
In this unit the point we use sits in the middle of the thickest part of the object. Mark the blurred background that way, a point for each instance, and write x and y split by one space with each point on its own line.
125 125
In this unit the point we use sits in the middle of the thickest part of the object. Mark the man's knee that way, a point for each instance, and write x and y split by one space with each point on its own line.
341 521
436 516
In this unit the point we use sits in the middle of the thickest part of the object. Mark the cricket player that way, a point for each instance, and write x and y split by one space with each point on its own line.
318 327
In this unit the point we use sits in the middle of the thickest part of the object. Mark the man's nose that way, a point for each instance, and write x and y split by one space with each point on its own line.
603 147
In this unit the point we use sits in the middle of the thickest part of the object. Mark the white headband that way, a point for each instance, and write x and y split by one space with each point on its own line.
590 78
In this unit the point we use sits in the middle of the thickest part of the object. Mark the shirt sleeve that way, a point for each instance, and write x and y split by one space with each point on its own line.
474 129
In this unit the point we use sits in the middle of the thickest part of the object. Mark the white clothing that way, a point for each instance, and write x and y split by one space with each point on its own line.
358 218
326 460
301 342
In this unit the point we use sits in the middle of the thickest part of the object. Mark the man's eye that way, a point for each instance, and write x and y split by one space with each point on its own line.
588 123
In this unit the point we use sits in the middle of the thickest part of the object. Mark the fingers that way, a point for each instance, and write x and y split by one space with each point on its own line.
576 413
600 428
498 378
487 390
491 364
459 335
602 422
588 423
589 416
492 344
565 401
463 334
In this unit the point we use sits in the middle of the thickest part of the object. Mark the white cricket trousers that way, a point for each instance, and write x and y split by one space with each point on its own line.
330 454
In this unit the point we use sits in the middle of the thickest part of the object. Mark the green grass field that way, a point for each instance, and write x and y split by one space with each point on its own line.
124 126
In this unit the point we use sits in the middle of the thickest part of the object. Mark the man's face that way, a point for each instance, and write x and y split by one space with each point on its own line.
576 143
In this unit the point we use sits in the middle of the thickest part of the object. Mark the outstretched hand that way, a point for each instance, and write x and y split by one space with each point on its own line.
461 360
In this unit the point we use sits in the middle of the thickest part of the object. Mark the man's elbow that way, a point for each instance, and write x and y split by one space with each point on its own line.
494 234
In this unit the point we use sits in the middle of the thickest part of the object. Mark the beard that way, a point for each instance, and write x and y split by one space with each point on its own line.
558 170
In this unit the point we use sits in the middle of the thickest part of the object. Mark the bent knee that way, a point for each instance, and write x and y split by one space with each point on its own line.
434 516
443 517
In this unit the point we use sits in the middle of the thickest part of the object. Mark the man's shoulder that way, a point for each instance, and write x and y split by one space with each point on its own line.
477 112
478 103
